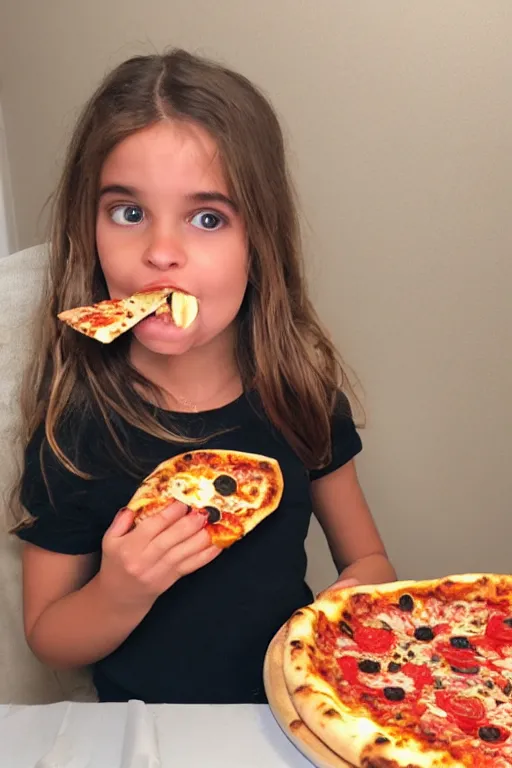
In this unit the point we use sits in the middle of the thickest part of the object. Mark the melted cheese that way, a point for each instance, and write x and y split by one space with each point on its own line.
505 663
200 492
191 490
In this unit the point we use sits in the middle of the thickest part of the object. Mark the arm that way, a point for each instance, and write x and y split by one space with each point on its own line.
75 614
356 546
69 620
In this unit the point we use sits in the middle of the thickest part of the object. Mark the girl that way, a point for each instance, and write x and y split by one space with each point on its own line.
176 176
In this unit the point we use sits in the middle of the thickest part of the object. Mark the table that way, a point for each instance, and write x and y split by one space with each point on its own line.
135 735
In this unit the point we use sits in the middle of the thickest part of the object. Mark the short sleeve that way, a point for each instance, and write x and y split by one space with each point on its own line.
345 440
63 522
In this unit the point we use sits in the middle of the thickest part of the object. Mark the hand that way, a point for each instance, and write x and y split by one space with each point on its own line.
339 585
140 563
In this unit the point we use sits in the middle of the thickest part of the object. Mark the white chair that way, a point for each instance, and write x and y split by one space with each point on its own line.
23 680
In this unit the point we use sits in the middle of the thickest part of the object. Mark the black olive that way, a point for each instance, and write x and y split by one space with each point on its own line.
465 670
187 457
346 628
489 733
508 622
225 485
489 684
424 633
435 658
406 603
394 694
460 642
507 689
394 667
369 666
438 683
381 740
213 514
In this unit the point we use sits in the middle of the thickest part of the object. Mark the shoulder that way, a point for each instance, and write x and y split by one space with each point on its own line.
77 437
55 496
345 440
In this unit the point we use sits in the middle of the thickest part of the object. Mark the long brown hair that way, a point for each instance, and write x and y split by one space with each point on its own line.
283 352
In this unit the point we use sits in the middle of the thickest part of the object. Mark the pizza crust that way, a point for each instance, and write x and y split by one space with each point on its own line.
356 737
317 752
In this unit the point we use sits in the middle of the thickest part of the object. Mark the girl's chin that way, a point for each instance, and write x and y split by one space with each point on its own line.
163 337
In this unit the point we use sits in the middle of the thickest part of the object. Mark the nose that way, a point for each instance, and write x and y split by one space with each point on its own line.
164 252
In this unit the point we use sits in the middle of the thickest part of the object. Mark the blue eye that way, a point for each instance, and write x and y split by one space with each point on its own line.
127 215
207 220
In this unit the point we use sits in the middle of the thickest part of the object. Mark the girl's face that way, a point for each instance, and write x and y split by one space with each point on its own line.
165 219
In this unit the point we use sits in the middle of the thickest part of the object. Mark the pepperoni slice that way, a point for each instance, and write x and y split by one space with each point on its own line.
462 658
440 628
374 640
499 629
349 668
420 673
467 711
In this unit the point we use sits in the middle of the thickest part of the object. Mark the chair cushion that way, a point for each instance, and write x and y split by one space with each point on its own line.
23 679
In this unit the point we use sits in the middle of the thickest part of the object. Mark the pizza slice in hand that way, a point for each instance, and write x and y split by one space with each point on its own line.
238 490
108 319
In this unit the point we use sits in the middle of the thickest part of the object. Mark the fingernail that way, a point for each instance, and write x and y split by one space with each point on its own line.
203 514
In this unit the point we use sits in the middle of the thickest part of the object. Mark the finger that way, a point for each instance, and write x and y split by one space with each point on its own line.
121 524
181 531
339 585
152 526
180 557
199 560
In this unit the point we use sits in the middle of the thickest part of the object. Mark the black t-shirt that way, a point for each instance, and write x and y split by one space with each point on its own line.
204 640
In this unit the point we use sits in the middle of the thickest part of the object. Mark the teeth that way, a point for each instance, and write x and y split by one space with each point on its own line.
184 309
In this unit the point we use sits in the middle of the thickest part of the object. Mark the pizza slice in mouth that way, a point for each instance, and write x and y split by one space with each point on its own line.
107 320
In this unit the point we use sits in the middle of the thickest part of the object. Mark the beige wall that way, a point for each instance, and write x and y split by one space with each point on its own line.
399 118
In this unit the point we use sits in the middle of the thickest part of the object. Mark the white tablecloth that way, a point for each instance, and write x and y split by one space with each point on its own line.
133 735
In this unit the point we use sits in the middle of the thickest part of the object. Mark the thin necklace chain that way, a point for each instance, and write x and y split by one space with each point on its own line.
194 407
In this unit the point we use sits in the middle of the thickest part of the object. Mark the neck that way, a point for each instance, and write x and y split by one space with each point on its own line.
203 378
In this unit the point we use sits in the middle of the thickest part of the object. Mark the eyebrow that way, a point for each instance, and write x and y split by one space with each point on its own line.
118 189
196 197
213 197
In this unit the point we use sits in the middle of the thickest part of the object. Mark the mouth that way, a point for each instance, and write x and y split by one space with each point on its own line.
178 308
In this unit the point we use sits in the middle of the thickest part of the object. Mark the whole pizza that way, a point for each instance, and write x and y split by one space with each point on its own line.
407 674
